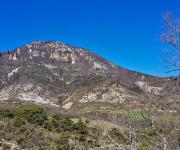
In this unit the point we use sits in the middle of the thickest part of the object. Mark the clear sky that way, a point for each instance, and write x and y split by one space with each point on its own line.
126 32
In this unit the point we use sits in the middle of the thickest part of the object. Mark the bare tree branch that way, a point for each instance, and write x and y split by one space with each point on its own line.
172 39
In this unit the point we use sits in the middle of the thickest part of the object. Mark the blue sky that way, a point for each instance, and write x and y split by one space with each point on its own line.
126 32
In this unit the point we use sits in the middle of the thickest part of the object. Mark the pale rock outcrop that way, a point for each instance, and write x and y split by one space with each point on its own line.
13 72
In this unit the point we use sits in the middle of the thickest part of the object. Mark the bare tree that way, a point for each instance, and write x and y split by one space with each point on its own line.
172 38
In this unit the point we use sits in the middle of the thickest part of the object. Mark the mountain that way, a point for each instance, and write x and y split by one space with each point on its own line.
62 75
60 97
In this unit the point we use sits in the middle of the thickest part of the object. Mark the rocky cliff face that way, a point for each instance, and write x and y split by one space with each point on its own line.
60 75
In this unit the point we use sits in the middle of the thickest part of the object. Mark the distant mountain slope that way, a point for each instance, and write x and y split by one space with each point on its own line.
60 75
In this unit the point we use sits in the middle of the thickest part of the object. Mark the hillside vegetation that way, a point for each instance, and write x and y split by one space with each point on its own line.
37 128
32 127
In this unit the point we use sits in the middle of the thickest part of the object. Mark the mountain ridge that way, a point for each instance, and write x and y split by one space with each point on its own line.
50 72
3 52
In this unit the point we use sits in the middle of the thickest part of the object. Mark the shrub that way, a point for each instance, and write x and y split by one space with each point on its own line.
6 147
135 88
6 113
18 122
150 132
35 116
119 137
144 145
81 128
